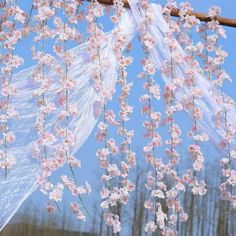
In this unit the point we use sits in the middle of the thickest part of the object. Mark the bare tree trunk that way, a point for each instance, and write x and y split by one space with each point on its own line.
101 225
191 215
134 227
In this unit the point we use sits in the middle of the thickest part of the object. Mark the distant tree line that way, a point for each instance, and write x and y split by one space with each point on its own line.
207 216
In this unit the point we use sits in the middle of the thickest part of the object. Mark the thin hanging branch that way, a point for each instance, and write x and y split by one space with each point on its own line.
175 12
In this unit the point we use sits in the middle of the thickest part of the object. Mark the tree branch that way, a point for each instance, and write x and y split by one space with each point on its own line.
175 12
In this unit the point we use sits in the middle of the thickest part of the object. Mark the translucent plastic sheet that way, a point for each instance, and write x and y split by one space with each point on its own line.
21 181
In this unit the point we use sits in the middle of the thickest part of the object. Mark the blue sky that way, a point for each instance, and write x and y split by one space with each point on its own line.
86 154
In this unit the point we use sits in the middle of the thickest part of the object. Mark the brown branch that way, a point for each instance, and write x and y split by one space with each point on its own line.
175 12
203 17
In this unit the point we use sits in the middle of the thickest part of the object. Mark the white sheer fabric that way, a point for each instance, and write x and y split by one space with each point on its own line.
21 181
161 53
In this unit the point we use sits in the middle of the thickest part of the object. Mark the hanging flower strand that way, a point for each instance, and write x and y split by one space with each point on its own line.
214 58
117 195
65 32
175 187
190 101
96 40
10 62
68 86
154 184
161 195
44 146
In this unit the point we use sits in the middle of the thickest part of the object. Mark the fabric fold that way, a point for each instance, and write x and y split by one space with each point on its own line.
21 180
161 53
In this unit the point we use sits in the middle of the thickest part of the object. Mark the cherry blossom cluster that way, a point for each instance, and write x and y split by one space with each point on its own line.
126 155
109 194
116 156
190 100
152 89
215 56
66 31
162 195
173 86
46 139
56 140
11 32
154 180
